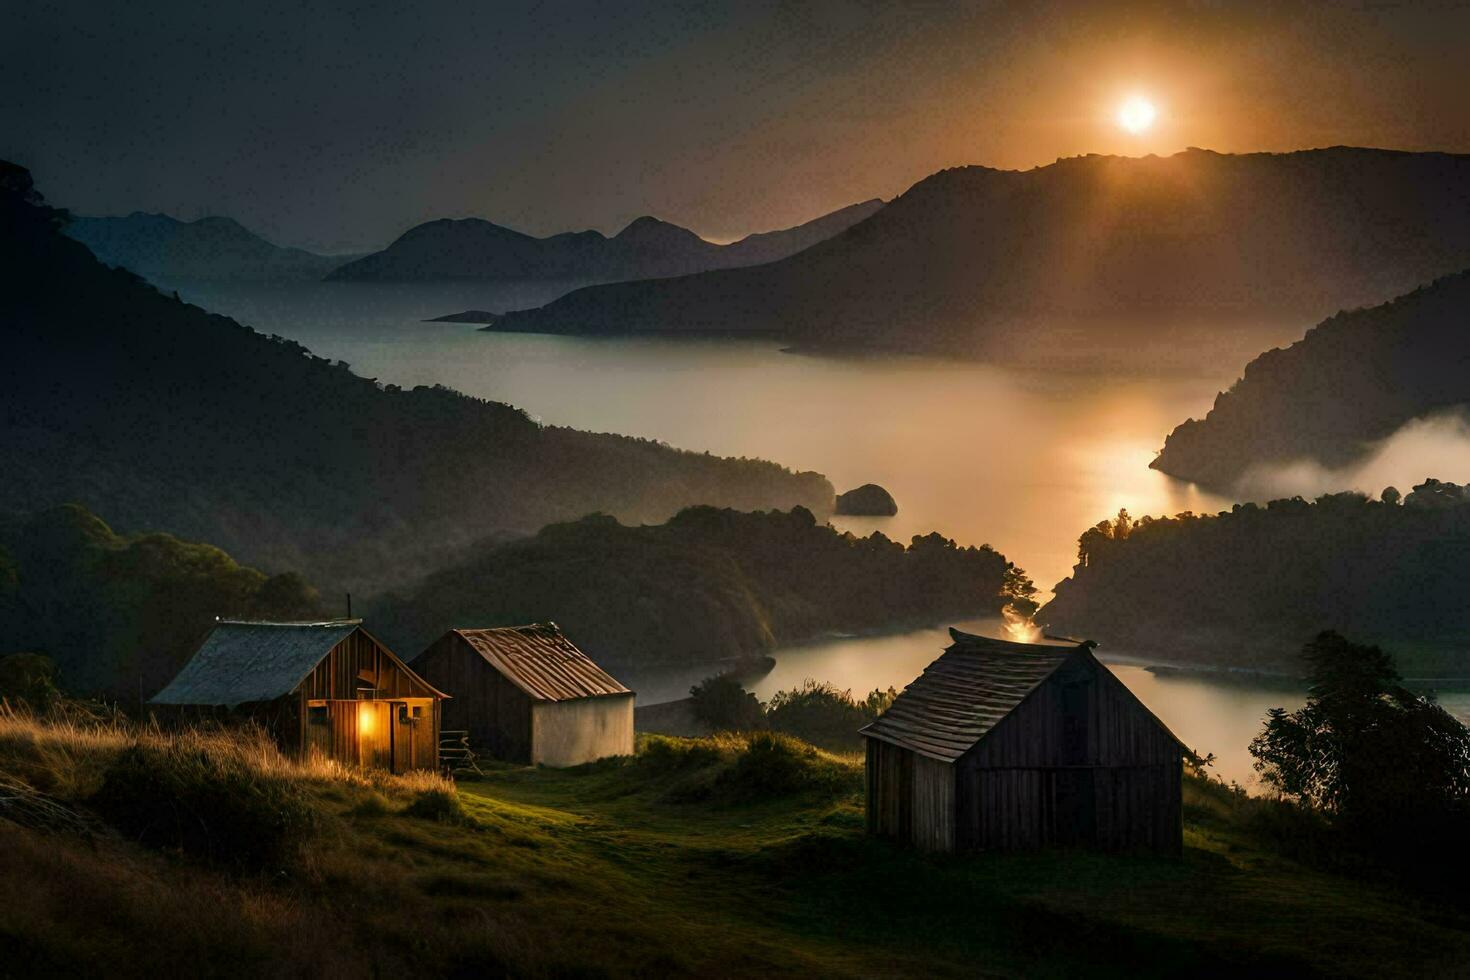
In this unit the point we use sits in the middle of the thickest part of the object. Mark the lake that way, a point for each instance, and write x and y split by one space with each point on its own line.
1024 459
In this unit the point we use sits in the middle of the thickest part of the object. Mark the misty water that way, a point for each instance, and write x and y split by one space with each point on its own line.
1022 458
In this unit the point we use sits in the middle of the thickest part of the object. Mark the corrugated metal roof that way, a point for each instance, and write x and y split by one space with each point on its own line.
966 692
242 662
540 660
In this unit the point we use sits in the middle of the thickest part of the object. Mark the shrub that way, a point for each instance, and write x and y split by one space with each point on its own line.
209 798
439 803
29 678
773 765
722 704
825 716
742 768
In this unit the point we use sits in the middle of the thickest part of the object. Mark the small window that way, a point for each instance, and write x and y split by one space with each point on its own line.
418 711
403 714
316 714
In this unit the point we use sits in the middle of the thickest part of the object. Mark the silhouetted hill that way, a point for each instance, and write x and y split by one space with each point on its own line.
1248 587
164 249
1353 379
969 256
708 585
647 248
163 416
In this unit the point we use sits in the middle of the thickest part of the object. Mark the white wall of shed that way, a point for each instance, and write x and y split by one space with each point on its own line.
569 733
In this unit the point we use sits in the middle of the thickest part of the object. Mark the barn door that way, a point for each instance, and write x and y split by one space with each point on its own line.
374 738
402 737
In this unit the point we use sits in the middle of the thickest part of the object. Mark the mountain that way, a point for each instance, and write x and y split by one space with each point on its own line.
1247 587
164 249
708 585
972 257
1353 379
165 417
647 248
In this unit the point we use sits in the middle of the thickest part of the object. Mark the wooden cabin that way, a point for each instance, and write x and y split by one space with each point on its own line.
526 694
1011 746
328 688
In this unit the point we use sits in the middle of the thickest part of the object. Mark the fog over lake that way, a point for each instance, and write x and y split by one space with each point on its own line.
1024 459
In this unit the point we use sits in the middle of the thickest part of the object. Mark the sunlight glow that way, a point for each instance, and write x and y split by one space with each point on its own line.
1137 114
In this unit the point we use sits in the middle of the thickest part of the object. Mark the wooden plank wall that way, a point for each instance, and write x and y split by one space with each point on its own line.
910 797
495 712
1116 787
358 661
1079 763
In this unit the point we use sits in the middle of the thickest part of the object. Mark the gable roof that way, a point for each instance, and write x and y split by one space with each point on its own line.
243 662
542 662
961 696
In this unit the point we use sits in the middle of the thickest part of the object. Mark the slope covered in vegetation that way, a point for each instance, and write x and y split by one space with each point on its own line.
707 585
162 416
1248 587
119 615
741 856
1353 379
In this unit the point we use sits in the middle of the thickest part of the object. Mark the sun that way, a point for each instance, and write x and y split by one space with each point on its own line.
1137 114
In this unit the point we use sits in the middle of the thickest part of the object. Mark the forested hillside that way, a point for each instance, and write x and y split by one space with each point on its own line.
163 416
1246 588
118 614
1353 379
707 585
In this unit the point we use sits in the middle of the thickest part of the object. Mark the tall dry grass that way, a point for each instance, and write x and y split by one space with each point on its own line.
225 794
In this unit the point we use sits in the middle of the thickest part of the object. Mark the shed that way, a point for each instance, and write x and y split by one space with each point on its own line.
1005 746
328 688
527 694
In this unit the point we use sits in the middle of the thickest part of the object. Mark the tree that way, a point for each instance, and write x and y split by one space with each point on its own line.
722 704
1388 765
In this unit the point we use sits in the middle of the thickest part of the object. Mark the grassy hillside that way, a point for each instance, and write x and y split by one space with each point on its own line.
163 416
729 857
709 584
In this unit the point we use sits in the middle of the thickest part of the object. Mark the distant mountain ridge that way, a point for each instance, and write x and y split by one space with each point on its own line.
160 248
163 416
965 254
472 248
1353 379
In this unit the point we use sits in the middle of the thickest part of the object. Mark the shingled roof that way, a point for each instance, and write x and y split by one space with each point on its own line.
961 696
541 661
244 662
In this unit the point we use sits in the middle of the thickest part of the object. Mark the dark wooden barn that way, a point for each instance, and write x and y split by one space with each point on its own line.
527 694
1001 745
328 688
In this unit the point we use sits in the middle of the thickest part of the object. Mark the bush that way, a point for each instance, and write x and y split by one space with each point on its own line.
824 716
207 798
29 678
722 704
436 803
745 768
775 765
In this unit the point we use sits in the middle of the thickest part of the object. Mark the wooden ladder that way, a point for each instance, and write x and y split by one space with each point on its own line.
455 754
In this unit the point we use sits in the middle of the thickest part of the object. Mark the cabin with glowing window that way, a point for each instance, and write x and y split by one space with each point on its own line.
329 688
527 694
1016 746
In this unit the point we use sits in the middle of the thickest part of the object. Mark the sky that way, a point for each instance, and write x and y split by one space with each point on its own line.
339 126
